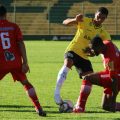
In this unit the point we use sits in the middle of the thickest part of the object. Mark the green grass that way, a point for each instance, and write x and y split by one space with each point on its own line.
45 60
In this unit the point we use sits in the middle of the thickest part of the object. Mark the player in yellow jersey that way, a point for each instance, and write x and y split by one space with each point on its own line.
75 54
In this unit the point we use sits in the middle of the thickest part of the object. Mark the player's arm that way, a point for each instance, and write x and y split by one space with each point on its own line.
89 51
72 21
25 67
21 45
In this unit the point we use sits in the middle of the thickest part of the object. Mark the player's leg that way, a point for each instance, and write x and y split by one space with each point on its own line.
108 103
20 76
102 79
118 103
108 100
33 96
68 63
85 90
83 67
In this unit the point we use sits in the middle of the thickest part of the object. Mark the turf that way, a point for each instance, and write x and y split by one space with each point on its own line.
45 60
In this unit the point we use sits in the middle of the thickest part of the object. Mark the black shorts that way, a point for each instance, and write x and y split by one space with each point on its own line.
80 63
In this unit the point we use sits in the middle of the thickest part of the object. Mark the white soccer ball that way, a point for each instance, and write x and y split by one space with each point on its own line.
66 106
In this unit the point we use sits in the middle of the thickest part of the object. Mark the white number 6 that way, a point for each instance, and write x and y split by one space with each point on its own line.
5 40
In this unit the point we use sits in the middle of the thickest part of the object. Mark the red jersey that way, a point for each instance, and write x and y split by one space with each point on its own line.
111 58
10 35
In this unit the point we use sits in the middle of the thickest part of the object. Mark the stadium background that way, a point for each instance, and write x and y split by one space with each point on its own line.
38 20
42 19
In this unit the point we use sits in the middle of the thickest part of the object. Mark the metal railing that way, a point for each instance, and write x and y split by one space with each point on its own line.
44 17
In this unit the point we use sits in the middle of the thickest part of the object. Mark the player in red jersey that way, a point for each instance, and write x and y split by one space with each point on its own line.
13 58
109 78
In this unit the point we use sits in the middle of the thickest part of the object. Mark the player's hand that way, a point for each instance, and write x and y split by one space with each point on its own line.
25 68
79 18
89 52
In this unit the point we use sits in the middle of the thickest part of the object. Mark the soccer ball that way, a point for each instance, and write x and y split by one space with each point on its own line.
66 107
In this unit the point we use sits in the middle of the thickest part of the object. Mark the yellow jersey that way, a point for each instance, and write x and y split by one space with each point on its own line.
86 31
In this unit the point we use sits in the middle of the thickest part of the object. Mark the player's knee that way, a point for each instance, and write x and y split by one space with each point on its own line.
86 80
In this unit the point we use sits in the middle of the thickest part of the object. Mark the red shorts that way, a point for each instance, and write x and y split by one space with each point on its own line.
106 82
16 73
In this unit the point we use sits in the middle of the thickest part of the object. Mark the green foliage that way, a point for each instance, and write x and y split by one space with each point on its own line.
45 60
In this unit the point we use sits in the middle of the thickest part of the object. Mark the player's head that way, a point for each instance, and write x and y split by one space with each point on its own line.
101 15
103 11
97 45
3 11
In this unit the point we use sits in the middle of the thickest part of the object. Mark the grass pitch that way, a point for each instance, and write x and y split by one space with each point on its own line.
45 60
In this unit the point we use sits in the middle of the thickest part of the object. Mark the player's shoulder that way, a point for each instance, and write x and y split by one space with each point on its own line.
12 24
87 18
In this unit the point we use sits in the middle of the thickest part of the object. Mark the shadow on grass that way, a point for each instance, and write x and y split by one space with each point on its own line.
97 112
23 106
15 108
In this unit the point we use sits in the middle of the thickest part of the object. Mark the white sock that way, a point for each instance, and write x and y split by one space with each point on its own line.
61 78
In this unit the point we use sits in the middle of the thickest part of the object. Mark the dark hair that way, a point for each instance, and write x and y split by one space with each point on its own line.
103 10
3 10
96 44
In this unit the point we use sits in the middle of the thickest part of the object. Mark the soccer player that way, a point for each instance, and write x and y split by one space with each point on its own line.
108 78
13 58
75 54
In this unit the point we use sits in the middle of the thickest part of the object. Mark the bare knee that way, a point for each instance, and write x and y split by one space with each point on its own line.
87 78
93 78
85 75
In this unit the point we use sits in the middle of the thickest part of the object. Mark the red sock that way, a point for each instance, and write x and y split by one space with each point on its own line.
84 93
32 94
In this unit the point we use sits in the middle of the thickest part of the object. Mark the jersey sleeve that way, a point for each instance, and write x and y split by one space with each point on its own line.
105 35
81 24
18 33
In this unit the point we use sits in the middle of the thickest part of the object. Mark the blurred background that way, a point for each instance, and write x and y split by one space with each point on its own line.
42 19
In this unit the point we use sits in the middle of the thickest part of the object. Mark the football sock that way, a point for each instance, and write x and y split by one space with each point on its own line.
117 106
61 78
84 93
32 94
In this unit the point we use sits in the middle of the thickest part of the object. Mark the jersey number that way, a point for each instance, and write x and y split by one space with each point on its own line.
5 40
6 45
